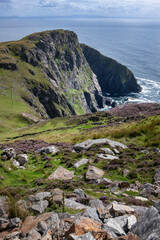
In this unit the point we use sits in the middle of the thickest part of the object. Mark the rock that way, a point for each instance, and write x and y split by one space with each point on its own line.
41 150
74 205
42 195
157 205
74 229
123 185
53 222
91 213
115 151
22 159
148 224
42 227
12 236
14 222
16 163
148 190
131 236
61 174
139 210
119 209
87 236
125 172
113 228
57 195
88 224
98 204
3 205
88 143
107 156
51 150
4 223
81 162
34 234
94 173
48 236
40 206
79 193
157 176
131 221
8 153
141 199
108 151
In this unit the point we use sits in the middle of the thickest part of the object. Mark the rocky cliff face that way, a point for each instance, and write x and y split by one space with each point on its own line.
113 77
48 73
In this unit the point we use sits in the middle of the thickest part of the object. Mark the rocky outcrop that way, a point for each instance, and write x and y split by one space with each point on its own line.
113 77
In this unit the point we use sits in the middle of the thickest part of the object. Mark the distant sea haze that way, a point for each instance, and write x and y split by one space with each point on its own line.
132 42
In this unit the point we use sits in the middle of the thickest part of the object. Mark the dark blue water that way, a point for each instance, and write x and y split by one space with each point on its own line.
133 42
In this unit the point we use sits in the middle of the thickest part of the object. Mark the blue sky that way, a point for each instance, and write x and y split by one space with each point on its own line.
108 8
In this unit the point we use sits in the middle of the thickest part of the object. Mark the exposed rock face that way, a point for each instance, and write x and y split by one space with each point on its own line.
113 77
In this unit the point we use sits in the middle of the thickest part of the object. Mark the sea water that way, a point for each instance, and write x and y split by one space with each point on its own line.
132 42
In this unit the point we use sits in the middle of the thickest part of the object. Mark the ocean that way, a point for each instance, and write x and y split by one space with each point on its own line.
132 42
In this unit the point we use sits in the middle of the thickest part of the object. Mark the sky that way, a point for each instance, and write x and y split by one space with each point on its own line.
106 8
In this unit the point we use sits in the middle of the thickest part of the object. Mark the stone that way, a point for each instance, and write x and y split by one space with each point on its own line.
131 221
115 151
61 174
3 205
53 222
148 224
16 163
125 172
121 220
41 150
88 224
48 236
42 227
87 236
12 235
57 195
108 151
81 162
42 195
113 228
14 222
96 203
157 176
51 150
107 156
139 210
79 193
94 173
88 143
74 205
91 213
143 199
34 234
119 209
4 223
22 159
40 206
9 153
74 229
148 189
130 236
157 205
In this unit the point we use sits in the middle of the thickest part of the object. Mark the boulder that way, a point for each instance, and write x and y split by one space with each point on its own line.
14 222
34 234
141 199
81 162
157 205
147 225
13 235
148 189
16 163
157 176
88 143
40 206
74 229
74 205
51 150
113 228
22 159
94 173
139 210
61 174
53 222
42 227
88 224
79 193
91 213
107 156
8 153
119 209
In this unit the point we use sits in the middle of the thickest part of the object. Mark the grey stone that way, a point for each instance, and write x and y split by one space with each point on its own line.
74 205
157 205
53 222
91 213
3 205
108 151
40 206
4 223
107 156
57 195
157 176
88 143
9 153
81 162
131 221
41 150
139 210
148 189
16 163
34 234
14 222
79 193
42 227
87 236
125 172
96 203
12 235
94 173
149 223
42 195
22 159
120 209
113 228
51 150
